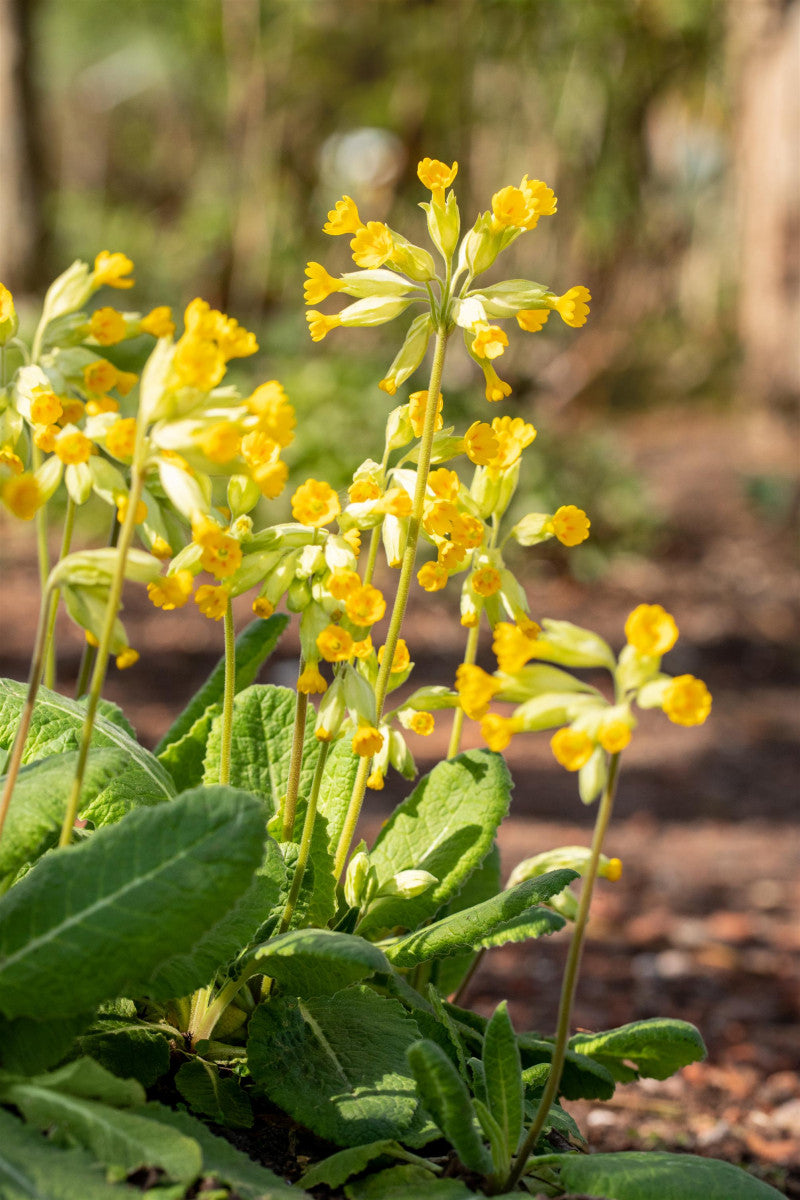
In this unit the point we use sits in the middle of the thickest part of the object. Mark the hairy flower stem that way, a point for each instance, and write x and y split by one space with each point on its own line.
372 555
103 649
227 699
305 839
50 645
296 761
470 654
403 589
90 652
570 979
34 678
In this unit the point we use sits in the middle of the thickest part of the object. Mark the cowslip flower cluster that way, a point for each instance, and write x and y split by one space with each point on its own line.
396 274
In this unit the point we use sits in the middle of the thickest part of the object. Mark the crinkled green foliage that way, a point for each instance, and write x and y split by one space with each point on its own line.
649 1175
317 962
446 1097
407 1183
657 1048
129 1048
344 1164
214 1095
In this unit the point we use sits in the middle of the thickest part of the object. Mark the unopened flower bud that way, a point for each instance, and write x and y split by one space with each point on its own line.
444 224
409 357
356 878
243 494
408 884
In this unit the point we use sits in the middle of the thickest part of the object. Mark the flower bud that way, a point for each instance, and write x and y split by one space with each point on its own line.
298 599
444 224
409 883
485 491
188 493
408 358
532 529
78 481
509 297
394 532
372 310
9 322
243 494
68 292
412 260
359 697
377 282
592 776
332 711
551 709
400 756
481 246
568 644
356 879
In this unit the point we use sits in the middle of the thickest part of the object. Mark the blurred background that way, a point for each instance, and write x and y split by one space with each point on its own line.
208 139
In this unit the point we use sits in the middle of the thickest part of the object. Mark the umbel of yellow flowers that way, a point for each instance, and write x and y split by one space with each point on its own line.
397 275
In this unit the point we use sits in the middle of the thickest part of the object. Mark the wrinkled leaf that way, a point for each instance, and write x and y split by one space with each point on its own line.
649 1175
446 1098
503 1075
657 1047
315 962
213 1094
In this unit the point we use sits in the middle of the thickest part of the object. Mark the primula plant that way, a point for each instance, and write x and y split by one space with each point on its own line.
191 940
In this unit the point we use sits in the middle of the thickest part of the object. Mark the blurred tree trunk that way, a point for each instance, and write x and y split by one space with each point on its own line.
766 47
21 174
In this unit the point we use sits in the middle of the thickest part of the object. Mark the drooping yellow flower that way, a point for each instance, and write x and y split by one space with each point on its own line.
651 630
451 557
363 490
401 660
46 408
687 700
614 736
486 581
101 404
160 548
198 363
513 435
514 646
158 322
9 322
343 218
276 416
311 682
573 307
342 584
497 731
532 319
126 658
335 644
439 517
540 199
365 605
432 576
444 484
21 495
259 449
509 208
572 748
480 443
367 741
222 555
612 870
234 341
44 436
122 510
570 525
436 176
490 341
315 503
125 381
467 531
353 539
107 326
319 326
9 458
496 388
212 601
271 478
417 405
121 438
372 245
72 410
422 723
475 690
263 608
375 780
99 376
110 270
319 284
72 446
172 591
220 442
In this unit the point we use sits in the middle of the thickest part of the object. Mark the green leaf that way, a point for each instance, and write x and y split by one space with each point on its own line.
581 1079
130 1049
446 826
41 793
32 1168
184 758
28 1046
503 1074
407 1183
337 1063
113 713
214 1095
86 1079
482 884
646 1175
445 1096
317 962
534 923
338 779
338 1168
107 914
464 930
56 727
253 646
263 723
657 1047
224 1162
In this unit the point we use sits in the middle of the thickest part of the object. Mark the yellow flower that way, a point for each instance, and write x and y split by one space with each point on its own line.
235 341
436 176
364 648
99 376
540 199
125 381
353 539
343 218
532 319
513 646
389 386
9 458
72 446
496 388
212 601
263 608
121 438
365 605
444 484
8 315
158 322
21 495
687 700
46 407
363 490
614 737
612 870
417 405
475 690
396 503
319 284
490 341
101 404
342 584
107 326
319 325
160 548
73 410
172 591
275 414
110 269
127 658
486 581
467 531
432 576
498 731
375 780
335 644
271 478
572 748
315 503
573 307
198 363
372 245
513 435
439 517
480 443
509 208
570 525
451 557
222 555
367 741
422 723
220 442
122 510
259 449
44 436
651 630
401 659
311 682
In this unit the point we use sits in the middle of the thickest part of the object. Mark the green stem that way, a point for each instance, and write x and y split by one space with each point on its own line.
295 762
470 654
227 700
34 678
403 588
89 655
570 979
305 839
66 540
101 662
42 551
374 543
